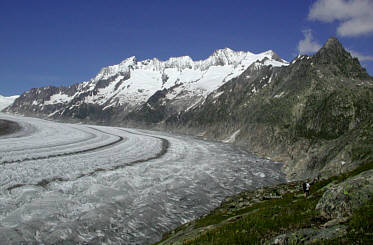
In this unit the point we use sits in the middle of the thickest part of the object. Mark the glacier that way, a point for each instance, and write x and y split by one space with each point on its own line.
88 184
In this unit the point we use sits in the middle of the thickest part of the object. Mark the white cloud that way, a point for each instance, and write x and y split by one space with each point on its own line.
360 56
308 45
355 16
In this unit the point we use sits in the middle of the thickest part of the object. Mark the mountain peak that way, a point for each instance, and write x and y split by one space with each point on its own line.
332 52
129 60
274 56
333 45
332 41
339 60
225 52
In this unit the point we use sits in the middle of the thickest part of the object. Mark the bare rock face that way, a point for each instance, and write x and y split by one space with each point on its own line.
340 200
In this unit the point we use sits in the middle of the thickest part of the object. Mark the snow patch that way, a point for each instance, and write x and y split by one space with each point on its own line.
218 94
279 95
232 138
193 105
58 98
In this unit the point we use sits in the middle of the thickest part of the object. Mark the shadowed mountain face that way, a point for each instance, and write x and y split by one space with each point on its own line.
315 114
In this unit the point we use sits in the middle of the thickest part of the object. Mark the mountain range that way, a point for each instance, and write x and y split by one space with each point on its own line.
122 89
315 113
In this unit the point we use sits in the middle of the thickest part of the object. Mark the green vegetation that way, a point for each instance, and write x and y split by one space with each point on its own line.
260 220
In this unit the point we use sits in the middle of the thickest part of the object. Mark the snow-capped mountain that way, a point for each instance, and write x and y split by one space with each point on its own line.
126 87
7 101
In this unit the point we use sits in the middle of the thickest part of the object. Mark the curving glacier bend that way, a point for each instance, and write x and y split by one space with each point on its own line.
86 184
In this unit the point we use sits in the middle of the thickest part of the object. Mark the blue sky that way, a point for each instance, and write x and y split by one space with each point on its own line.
45 42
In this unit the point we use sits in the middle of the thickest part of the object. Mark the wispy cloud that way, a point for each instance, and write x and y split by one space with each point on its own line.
308 44
360 56
355 17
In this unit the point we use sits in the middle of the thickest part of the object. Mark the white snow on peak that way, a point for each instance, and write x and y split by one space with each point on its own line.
110 71
133 82
220 57
7 101
58 98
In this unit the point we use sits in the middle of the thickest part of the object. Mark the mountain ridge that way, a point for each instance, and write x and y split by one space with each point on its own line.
128 85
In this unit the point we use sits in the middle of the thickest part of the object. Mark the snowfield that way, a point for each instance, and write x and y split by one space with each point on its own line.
93 184
7 101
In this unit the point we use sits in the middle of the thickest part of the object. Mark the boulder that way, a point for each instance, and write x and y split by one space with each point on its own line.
341 199
309 236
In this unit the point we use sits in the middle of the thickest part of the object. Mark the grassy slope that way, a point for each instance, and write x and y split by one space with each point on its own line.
255 223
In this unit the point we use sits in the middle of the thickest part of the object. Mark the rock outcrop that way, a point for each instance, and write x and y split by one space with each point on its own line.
309 235
342 199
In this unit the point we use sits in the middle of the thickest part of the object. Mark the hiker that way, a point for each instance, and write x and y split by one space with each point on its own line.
307 192
304 188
